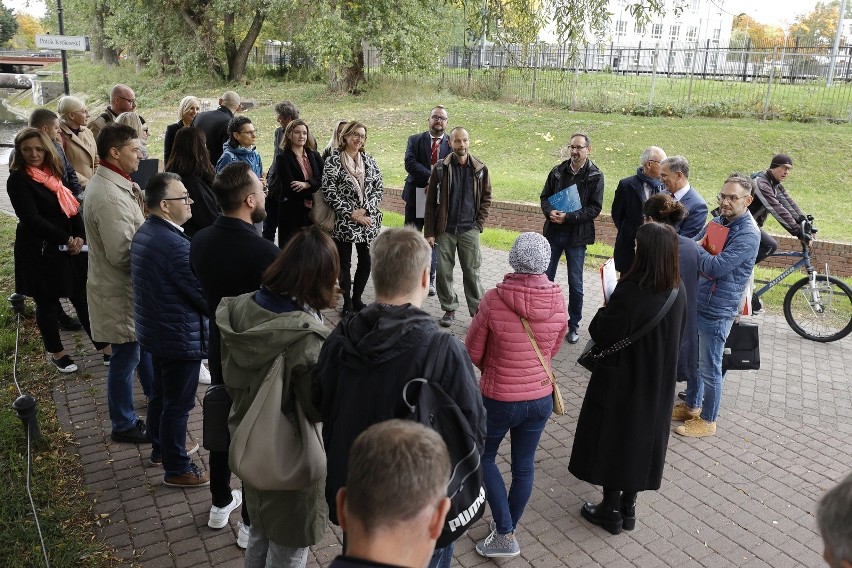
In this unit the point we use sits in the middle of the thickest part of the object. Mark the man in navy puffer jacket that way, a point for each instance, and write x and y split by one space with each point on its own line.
171 323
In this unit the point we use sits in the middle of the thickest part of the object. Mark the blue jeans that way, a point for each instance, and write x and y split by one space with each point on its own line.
173 397
418 223
712 334
525 420
126 357
575 256
442 557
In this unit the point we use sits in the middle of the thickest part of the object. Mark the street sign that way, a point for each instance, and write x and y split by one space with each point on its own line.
72 43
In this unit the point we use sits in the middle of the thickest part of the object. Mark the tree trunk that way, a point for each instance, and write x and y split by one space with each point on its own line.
238 57
102 50
354 73
199 25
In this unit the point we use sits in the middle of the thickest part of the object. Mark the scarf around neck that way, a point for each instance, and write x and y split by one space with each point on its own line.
67 202
654 183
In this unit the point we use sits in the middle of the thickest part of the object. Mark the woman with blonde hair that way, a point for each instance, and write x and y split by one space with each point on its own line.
189 107
334 141
77 140
134 121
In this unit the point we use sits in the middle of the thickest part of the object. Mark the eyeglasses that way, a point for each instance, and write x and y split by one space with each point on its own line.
577 148
249 132
131 101
356 135
441 118
730 198
185 198
655 161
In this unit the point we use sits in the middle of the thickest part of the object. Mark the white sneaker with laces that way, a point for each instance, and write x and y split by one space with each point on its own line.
203 375
242 535
219 515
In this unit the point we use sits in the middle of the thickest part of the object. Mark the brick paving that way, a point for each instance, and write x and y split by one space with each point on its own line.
742 498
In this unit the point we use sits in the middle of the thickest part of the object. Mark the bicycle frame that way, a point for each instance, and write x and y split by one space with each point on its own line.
804 260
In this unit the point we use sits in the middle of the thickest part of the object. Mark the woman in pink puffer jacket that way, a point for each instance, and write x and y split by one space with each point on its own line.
516 390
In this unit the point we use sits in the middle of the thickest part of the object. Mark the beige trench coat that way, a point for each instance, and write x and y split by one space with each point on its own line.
112 215
81 150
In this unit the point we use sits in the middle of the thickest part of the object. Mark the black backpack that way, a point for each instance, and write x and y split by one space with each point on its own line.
430 405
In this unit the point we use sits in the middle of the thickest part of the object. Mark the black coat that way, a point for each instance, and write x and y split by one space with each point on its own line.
579 225
628 217
214 123
418 162
204 207
41 269
228 258
171 132
687 362
623 428
292 213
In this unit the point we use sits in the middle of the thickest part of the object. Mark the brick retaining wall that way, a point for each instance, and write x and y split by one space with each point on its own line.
528 217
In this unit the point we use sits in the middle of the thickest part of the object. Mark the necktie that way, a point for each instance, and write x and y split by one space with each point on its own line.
435 143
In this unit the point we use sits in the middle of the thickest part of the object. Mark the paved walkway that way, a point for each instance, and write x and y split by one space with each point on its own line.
742 498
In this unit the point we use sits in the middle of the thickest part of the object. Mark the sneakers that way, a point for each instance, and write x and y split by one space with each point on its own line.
106 359
64 364
756 305
242 535
219 515
572 337
448 319
192 478
137 434
696 428
498 545
204 375
432 290
681 412
191 447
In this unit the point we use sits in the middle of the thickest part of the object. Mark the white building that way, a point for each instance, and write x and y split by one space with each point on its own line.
698 21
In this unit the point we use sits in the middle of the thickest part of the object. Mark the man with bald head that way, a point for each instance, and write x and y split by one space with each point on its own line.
121 99
630 194
214 123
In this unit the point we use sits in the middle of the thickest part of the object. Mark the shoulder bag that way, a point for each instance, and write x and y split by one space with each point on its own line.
558 402
742 348
273 451
321 213
593 353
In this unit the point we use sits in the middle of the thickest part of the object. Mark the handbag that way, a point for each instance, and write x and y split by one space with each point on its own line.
216 407
271 450
558 402
592 353
742 348
321 213
431 406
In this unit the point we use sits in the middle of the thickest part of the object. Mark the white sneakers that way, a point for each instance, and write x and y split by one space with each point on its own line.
203 375
242 535
219 515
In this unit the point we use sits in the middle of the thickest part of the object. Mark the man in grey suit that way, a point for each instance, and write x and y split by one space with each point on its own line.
674 172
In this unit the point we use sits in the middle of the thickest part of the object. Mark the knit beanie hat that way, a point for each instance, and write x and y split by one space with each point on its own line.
780 160
530 254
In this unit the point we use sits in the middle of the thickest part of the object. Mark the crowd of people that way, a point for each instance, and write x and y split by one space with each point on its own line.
187 269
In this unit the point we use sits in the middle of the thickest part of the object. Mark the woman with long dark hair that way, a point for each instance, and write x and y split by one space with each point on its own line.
298 174
49 259
191 161
284 315
623 428
352 186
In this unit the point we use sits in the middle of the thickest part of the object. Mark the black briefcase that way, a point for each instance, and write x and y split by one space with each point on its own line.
216 406
742 349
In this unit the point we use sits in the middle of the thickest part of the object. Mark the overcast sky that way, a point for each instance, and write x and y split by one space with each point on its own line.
776 12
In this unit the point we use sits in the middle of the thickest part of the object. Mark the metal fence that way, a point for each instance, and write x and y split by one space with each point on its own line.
789 81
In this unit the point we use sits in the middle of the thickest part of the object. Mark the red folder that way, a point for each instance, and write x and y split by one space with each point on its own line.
715 237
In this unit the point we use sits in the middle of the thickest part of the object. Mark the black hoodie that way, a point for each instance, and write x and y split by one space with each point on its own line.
362 369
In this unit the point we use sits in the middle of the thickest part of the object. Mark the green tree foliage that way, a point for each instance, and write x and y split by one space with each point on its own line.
818 26
8 24
761 35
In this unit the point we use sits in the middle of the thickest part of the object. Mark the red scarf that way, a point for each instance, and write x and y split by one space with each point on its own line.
67 201
116 169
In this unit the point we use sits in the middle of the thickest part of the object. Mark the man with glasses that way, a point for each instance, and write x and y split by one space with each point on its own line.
674 172
632 192
214 123
171 324
423 151
722 280
112 214
229 258
121 99
572 231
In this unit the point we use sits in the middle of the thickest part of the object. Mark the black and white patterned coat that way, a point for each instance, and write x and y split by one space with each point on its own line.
342 195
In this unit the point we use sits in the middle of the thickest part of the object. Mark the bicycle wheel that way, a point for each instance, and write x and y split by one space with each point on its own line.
823 313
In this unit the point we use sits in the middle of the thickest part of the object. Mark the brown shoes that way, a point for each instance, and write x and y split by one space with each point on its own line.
681 412
696 428
192 478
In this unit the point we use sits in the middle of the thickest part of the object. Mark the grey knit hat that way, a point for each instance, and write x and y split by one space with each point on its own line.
530 254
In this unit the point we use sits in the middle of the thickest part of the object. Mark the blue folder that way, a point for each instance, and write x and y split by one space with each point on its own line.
567 200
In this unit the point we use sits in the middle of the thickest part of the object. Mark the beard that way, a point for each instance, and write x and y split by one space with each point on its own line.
258 215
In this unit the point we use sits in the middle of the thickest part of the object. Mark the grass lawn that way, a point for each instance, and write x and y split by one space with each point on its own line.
519 143
64 508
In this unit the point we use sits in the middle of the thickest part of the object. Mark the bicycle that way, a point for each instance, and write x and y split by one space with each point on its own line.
819 306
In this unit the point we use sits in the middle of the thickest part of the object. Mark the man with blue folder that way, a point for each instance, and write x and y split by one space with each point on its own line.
569 226
424 150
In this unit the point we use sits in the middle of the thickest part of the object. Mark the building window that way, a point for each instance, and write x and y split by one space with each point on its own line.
687 60
621 28
674 33
717 33
695 6
691 33
639 29
657 31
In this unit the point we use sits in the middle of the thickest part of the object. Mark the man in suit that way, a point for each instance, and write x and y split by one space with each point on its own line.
229 258
632 192
674 172
423 151
214 123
